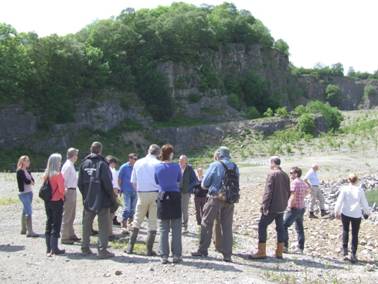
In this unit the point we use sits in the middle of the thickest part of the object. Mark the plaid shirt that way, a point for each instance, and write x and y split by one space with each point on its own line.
299 187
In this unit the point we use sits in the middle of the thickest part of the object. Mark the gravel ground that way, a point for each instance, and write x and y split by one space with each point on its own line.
24 260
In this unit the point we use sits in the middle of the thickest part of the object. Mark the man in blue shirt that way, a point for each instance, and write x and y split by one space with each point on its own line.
129 194
217 207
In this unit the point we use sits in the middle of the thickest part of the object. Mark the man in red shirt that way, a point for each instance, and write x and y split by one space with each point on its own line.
296 208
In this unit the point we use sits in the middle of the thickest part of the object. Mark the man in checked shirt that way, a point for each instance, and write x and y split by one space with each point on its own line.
296 208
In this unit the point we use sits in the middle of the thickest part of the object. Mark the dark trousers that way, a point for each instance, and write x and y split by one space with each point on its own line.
291 216
54 213
215 208
265 221
355 229
199 203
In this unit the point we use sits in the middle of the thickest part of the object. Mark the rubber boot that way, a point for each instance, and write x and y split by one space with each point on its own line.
279 250
132 241
150 243
48 243
54 246
29 226
23 224
261 252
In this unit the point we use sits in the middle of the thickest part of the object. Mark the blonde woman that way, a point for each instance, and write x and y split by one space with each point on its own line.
54 207
25 182
349 206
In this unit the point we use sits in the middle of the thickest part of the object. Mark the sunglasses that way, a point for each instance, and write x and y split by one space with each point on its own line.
292 173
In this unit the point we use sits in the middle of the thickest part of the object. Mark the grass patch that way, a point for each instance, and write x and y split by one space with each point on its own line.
8 201
139 248
372 197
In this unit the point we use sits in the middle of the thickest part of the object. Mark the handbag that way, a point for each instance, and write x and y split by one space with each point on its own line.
45 192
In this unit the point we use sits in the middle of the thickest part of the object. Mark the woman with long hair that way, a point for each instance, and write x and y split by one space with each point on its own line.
350 206
54 207
25 182
168 176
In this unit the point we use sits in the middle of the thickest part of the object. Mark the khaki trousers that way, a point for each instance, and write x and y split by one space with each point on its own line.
185 198
146 203
216 208
316 194
69 212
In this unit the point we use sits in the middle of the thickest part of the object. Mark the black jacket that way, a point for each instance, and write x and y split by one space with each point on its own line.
95 183
22 179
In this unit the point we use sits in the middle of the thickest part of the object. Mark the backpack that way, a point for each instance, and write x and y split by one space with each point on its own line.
45 192
230 184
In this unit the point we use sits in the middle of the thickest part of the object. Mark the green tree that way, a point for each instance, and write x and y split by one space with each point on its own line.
282 46
333 94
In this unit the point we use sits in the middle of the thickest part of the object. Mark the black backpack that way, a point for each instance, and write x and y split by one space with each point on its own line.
45 192
230 184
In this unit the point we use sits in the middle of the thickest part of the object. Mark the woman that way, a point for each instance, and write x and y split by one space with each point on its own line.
54 207
200 196
168 176
25 184
349 205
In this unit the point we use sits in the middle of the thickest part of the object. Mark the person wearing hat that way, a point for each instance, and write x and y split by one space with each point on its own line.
217 207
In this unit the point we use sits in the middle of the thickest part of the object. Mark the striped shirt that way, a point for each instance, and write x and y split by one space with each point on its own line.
299 187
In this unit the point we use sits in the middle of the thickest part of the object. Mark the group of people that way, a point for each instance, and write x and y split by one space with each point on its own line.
158 189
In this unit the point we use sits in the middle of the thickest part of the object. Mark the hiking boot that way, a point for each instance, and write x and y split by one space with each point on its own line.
29 226
261 252
323 213
227 259
67 242
23 224
86 251
132 241
94 232
199 254
54 247
150 243
312 216
279 250
353 258
103 254
115 221
177 259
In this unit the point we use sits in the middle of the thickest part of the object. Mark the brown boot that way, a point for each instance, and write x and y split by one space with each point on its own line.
279 250
261 252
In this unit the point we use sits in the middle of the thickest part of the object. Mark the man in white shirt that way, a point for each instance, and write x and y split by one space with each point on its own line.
311 178
113 162
69 210
143 181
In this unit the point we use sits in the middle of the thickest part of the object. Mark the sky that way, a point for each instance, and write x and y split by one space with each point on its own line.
317 31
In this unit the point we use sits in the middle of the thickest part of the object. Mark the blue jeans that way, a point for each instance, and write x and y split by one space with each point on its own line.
130 200
26 199
291 216
265 221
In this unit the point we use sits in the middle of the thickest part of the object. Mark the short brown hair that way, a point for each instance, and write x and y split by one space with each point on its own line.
166 152
297 171
96 148
133 156
352 178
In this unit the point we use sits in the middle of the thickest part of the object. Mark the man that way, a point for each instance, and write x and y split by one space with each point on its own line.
217 207
113 162
311 178
188 181
69 209
129 194
296 209
95 184
143 180
275 198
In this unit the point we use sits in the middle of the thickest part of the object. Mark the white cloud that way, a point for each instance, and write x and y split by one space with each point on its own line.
326 31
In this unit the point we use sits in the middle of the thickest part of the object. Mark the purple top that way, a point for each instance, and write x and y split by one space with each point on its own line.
167 176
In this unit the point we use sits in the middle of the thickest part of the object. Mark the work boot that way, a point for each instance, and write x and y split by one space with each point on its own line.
86 251
132 241
150 243
104 253
115 221
199 254
323 212
23 224
48 243
29 226
279 250
312 216
261 252
54 246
